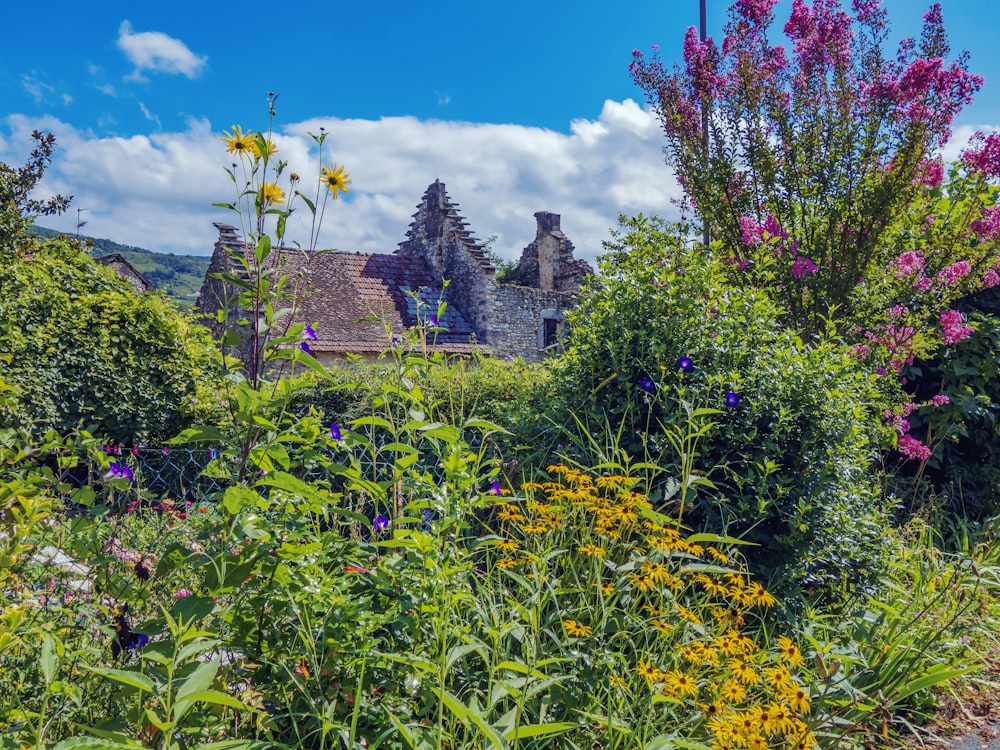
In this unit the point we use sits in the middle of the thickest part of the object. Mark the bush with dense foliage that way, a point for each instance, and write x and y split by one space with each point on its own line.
82 348
788 441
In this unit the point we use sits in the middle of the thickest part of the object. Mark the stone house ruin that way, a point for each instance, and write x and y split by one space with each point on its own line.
357 302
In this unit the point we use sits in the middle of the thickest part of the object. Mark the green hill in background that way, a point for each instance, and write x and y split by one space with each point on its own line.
177 276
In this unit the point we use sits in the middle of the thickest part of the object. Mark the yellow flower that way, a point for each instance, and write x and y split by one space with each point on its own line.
335 180
743 671
790 652
591 550
271 194
507 563
606 588
271 148
733 692
664 627
759 595
238 143
576 629
798 698
507 545
687 614
777 720
680 684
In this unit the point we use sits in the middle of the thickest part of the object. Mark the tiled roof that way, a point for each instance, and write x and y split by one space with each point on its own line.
357 302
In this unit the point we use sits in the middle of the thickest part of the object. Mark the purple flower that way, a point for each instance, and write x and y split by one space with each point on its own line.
304 346
685 364
434 321
381 523
334 431
732 400
309 333
428 517
647 384
120 470
495 489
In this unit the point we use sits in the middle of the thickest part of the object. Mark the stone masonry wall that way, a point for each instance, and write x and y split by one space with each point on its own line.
439 235
517 319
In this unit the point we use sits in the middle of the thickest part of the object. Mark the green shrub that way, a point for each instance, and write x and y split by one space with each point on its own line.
791 441
83 348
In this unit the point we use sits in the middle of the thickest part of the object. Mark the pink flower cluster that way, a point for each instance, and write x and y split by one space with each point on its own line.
803 266
755 11
988 226
941 399
952 328
913 449
950 275
983 154
909 264
701 60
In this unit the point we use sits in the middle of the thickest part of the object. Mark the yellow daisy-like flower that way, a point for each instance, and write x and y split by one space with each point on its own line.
743 671
798 699
606 588
271 148
506 563
760 596
238 143
591 550
662 626
576 629
777 719
335 179
733 691
271 194
508 545
679 683
790 652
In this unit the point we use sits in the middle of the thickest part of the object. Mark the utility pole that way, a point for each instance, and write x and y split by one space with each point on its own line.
80 224
703 28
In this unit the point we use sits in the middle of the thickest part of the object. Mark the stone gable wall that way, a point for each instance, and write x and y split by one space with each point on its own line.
516 322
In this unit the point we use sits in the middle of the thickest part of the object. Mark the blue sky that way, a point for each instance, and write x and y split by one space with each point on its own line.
517 106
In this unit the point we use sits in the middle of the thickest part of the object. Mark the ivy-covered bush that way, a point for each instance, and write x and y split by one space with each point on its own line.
690 372
82 348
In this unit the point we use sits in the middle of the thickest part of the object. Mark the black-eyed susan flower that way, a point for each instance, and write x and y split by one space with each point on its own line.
732 691
790 653
335 180
238 143
743 671
591 550
798 698
575 629
508 545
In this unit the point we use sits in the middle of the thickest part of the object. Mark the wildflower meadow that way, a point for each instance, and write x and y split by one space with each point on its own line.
751 503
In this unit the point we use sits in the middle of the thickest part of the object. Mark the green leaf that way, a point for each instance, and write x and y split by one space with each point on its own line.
198 434
49 660
95 743
124 677
539 730
218 698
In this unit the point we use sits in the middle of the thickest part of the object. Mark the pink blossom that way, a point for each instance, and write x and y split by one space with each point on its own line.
802 266
751 231
913 449
941 399
951 274
930 173
952 329
183 593
773 228
988 226
909 263
983 154
990 279
755 11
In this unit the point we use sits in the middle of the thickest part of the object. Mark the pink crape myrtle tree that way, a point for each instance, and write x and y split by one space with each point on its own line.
821 178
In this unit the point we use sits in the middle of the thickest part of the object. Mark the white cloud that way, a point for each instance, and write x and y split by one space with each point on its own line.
36 88
156 191
154 50
150 116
